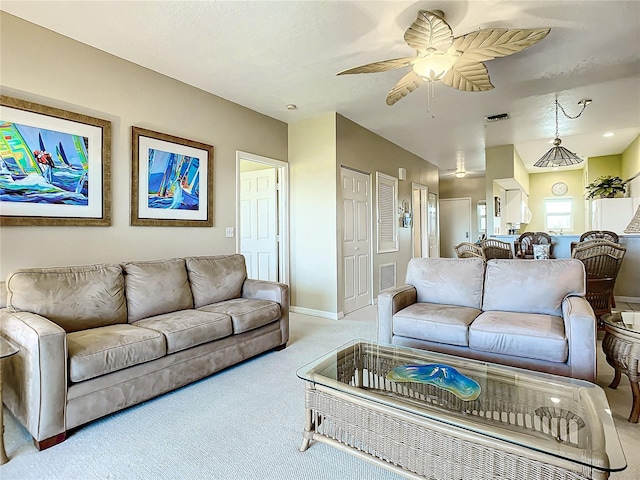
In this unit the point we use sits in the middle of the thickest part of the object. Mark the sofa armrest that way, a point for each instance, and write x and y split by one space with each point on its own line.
389 303
274 291
35 379
580 328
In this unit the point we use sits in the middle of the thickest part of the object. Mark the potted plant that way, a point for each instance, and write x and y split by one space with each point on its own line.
606 186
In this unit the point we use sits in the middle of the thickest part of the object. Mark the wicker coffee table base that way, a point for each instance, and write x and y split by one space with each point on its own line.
418 448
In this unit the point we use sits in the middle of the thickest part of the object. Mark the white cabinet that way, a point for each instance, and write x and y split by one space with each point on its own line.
612 214
517 208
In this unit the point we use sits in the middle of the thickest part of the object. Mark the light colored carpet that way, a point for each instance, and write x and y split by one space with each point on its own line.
243 423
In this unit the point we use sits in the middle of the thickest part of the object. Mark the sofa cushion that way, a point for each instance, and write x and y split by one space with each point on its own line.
156 287
448 281
532 286
188 328
247 313
103 350
75 298
435 323
519 334
216 278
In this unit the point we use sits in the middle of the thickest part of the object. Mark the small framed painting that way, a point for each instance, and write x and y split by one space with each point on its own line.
54 166
172 180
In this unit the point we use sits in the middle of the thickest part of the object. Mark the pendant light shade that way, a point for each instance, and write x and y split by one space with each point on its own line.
558 156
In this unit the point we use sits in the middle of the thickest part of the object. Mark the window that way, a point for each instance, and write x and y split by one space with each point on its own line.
558 214
387 203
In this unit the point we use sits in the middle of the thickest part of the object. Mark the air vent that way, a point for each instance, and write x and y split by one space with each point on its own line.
497 118
387 276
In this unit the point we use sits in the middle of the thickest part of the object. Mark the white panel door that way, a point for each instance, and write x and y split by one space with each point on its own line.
455 224
356 240
259 223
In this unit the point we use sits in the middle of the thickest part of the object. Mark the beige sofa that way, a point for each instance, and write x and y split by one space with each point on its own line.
524 313
99 338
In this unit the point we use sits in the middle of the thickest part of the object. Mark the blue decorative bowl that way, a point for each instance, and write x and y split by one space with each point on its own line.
441 376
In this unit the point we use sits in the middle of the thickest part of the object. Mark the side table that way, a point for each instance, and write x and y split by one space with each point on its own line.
6 350
621 346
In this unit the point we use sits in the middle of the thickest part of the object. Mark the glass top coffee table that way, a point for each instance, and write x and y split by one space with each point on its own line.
621 346
457 418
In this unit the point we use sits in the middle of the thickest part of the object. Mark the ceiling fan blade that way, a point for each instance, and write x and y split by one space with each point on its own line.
383 66
496 42
404 87
468 77
429 31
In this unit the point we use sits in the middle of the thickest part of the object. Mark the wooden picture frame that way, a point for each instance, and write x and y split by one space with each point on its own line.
55 166
171 180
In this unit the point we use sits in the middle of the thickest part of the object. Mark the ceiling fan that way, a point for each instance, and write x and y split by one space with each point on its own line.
456 62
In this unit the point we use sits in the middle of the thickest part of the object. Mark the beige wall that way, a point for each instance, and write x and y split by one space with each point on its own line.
363 150
318 147
42 66
312 163
452 187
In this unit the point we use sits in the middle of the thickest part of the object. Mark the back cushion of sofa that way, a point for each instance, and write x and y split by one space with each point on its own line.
76 298
216 278
156 287
532 286
448 281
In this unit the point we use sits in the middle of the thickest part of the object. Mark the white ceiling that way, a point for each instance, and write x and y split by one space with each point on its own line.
267 54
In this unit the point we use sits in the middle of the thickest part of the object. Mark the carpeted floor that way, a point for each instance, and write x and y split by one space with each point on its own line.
243 423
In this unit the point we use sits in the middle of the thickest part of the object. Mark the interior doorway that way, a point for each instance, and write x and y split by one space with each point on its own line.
455 224
262 216
433 225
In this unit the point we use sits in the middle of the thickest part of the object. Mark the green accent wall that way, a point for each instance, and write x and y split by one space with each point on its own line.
540 188
631 159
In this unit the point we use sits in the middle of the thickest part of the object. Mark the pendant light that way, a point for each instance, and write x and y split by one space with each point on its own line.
558 156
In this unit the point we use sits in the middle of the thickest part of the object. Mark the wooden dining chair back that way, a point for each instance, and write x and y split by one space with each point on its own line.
523 246
468 250
492 248
602 260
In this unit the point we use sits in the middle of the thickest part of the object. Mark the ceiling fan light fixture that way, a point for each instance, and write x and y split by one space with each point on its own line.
433 66
461 174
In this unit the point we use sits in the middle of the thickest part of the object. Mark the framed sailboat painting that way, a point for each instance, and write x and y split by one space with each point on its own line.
172 180
54 166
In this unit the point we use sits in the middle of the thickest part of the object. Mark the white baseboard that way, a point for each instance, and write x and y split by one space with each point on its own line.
317 313
627 299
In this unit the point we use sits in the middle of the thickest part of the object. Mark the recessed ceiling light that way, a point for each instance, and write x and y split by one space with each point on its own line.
608 134
291 106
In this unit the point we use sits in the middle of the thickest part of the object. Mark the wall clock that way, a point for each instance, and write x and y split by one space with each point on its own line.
559 188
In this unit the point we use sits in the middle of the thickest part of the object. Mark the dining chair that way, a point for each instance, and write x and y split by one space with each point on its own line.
468 250
523 246
602 260
596 235
493 248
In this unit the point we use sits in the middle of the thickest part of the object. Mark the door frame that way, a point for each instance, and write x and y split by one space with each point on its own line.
282 195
